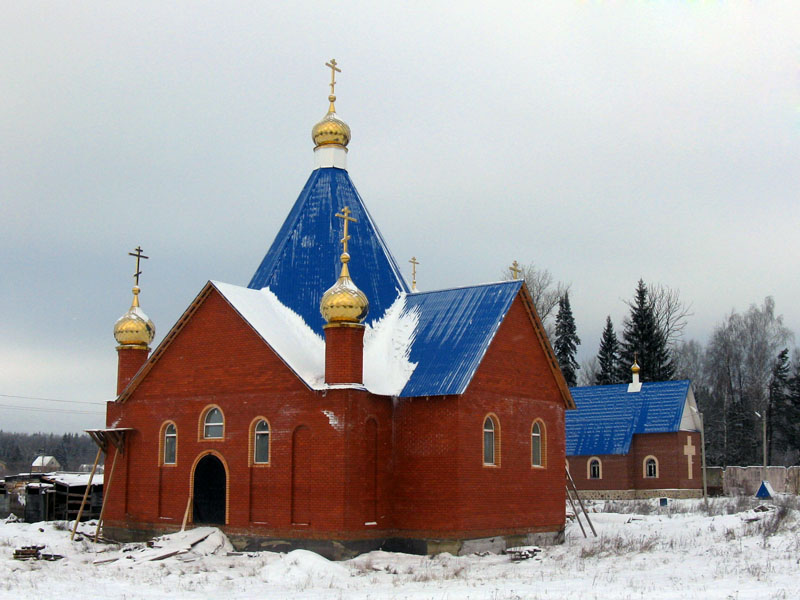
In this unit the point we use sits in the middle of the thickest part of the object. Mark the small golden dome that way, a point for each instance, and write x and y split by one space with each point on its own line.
635 368
331 130
344 302
134 328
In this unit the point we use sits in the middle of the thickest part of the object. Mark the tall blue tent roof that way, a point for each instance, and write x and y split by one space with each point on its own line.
303 261
607 416
454 330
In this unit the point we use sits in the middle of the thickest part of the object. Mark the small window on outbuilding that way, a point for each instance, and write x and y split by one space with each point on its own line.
170 445
261 443
213 426
595 469
651 467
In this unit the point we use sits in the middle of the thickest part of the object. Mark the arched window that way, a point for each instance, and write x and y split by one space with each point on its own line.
595 469
213 425
651 467
538 444
170 447
261 443
491 441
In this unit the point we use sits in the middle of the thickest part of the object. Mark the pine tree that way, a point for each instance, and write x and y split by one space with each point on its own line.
566 341
608 357
643 338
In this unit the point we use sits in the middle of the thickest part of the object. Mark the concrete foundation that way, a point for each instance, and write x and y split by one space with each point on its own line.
346 549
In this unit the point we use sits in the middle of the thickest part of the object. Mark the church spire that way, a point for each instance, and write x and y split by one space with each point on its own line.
331 135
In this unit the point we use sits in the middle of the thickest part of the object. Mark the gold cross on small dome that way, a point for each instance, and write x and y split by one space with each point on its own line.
138 254
345 216
334 69
515 270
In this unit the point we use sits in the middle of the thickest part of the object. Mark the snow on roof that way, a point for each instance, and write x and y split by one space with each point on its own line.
74 479
387 342
284 330
44 461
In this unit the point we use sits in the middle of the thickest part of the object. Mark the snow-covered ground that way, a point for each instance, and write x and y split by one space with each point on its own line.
728 551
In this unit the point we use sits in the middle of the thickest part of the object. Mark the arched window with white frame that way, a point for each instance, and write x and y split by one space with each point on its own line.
169 448
538 444
491 441
261 435
213 424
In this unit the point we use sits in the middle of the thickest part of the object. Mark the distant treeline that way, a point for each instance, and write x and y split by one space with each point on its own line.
18 450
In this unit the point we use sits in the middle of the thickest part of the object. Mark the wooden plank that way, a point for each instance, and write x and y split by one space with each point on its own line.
86 494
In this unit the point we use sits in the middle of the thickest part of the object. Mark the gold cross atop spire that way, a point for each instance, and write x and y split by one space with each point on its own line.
414 264
334 69
515 270
138 254
345 216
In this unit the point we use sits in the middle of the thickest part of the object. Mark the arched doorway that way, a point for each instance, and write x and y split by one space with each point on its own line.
209 491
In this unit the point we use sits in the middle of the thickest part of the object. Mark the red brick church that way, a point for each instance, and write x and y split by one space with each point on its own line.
340 414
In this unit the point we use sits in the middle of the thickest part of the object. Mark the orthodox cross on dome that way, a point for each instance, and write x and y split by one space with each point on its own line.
414 264
334 69
515 270
689 451
345 216
138 254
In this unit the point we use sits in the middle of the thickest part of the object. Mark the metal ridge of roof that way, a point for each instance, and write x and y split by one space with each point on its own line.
466 287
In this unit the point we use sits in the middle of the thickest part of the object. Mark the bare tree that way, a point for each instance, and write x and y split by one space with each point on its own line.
671 313
543 289
739 362
688 358
588 371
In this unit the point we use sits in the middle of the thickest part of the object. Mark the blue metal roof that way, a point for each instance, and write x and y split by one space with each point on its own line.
303 261
453 333
607 416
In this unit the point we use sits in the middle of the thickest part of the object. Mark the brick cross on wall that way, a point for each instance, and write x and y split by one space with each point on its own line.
689 451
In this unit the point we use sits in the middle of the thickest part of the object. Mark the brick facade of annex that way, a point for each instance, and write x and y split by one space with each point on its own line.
625 473
344 464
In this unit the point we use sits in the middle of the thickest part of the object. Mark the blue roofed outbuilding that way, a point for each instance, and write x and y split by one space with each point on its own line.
608 416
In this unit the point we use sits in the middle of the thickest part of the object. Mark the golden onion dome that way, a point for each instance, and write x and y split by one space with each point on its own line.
344 302
331 130
635 368
134 328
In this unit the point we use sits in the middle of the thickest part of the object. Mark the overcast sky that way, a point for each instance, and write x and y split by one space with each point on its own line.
602 141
